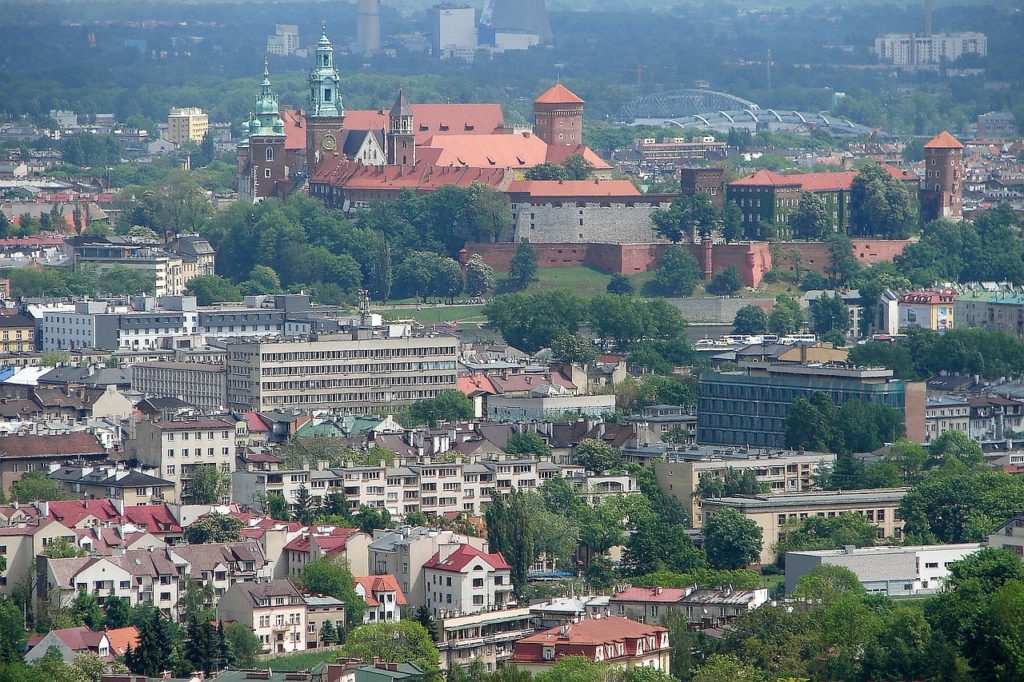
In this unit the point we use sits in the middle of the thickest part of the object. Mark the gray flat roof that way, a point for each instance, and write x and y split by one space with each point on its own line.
811 499
878 551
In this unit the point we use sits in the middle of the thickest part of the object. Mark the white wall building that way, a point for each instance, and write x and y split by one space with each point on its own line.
907 49
462 580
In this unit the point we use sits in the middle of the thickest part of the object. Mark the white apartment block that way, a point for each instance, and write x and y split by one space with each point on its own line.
486 636
198 383
285 40
176 448
357 371
907 49
462 580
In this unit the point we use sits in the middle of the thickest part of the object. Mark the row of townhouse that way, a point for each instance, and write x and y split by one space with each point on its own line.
438 487
157 576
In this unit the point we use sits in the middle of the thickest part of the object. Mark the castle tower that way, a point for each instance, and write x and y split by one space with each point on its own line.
261 153
942 193
559 117
401 136
325 118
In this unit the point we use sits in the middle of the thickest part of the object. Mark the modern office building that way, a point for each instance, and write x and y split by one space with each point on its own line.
996 125
890 571
749 406
187 124
285 40
453 32
203 384
772 513
357 370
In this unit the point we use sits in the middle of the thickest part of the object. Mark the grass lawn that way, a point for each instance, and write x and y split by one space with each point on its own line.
582 280
303 660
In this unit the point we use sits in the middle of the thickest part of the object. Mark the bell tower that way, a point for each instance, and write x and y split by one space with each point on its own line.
262 163
401 135
325 118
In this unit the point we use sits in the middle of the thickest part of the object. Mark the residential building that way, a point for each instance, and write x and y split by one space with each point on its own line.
562 610
703 608
403 553
107 644
546 403
671 152
891 571
994 311
17 334
946 413
908 49
24 453
275 611
22 541
772 513
114 482
171 267
356 371
177 448
462 579
321 610
851 299
219 565
993 416
199 383
996 125
658 423
383 596
778 471
285 40
749 407
486 636
326 542
934 310
187 124
619 642
1010 535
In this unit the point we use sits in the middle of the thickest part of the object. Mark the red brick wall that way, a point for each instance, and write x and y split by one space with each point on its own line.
867 251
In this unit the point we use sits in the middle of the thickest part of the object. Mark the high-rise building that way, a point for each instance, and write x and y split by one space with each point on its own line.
943 188
368 26
516 16
559 117
187 124
285 40
907 49
453 31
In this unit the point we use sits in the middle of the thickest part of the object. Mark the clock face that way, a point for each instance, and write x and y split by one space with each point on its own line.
329 142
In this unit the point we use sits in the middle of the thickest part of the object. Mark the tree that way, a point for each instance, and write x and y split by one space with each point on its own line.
880 206
576 669
448 405
533 321
819 532
369 519
87 149
679 273
215 528
156 646
208 485
508 532
117 613
328 635
620 284
404 641
35 486
725 668
574 349
86 610
306 506
731 540
262 280
688 215
786 316
750 319
210 289
124 280
830 315
732 222
62 548
527 444
631 321
596 455
12 631
842 265
954 504
480 277
828 583
244 645
425 617
334 579
726 282
655 545
277 507
954 444
523 267
202 648
809 220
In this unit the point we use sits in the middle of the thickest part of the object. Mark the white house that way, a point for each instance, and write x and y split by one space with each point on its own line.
383 596
461 580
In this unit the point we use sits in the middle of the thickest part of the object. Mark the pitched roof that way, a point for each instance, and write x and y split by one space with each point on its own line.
375 584
79 639
122 638
500 150
660 595
461 557
274 588
475 383
294 129
558 153
558 94
422 177
155 518
594 631
71 512
434 119
813 182
943 141
207 557
53 445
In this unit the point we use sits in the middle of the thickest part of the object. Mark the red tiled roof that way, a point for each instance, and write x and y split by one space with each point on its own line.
558 94
929 297
355 176
122 638
255 422
155 518
574 188
461 557
813 182
435 119
558 153
476 383
71 512
500 150
661 595
589 632
375 584
294 129
55 445
943 141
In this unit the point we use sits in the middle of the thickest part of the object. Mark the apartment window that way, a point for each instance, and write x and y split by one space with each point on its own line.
478 582
478 600
170 470
279 619
264 621
931 564
165 596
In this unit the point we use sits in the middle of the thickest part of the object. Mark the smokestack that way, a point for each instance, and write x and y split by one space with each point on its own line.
927 18
368 26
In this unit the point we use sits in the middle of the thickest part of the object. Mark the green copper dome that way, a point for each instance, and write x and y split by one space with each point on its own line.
266 120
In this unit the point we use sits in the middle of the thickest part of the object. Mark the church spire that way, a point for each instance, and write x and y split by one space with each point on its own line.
324 81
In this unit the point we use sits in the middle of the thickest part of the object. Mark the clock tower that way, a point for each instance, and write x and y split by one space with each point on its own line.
325 118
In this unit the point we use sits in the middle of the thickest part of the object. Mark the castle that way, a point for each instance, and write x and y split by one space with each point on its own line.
283 150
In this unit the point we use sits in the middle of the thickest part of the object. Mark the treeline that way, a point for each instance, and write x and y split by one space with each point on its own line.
923 353
81 280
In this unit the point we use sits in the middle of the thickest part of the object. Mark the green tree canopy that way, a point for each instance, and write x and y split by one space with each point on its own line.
404 641
210 289
449 405
523 267
731 540
880 206
215 528
208 485
750 319
679 274
334 579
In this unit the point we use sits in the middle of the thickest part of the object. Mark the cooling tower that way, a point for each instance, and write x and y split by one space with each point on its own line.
368 25
527 16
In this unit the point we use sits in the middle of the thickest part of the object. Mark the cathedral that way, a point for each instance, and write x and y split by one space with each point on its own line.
283 150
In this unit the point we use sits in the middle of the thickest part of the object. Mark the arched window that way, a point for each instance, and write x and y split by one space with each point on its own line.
270 153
